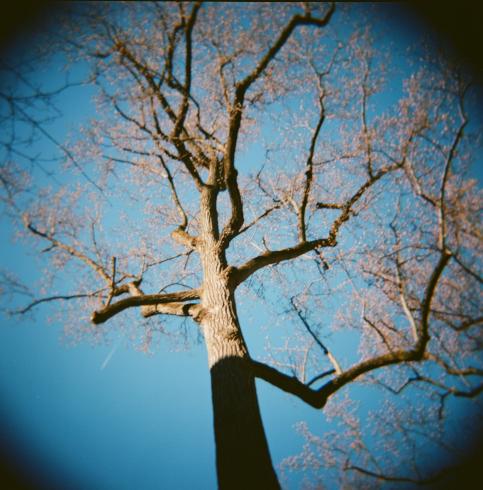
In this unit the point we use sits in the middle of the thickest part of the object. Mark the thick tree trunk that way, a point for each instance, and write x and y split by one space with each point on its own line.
242 455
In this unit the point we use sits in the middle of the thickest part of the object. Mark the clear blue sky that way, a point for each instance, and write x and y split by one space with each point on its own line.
109 417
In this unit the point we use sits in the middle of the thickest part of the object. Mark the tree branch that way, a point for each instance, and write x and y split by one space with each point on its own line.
260 217
180 234
428 297
183 153
297 20
67 248
241 273
179 124
346 208
48 299
318 398
230 174
59 145
326 351
113 309
309 172
398 479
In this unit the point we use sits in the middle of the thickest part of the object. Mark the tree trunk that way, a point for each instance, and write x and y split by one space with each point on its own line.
242 456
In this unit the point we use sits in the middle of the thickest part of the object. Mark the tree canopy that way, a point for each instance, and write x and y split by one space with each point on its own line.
292 158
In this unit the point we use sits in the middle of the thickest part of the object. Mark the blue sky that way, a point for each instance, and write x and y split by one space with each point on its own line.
107 416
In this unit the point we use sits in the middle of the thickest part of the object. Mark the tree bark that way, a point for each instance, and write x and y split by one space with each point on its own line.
242 456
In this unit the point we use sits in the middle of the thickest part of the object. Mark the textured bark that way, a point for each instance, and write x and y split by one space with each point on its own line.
242 455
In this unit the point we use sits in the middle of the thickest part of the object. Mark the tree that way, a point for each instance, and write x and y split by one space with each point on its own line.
360 204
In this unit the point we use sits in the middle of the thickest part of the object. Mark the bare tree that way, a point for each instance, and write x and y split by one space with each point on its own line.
357 211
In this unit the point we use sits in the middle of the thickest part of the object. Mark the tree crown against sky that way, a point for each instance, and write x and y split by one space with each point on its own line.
329 174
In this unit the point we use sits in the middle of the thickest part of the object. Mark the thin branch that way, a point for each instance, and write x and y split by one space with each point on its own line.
174 193
69 249
346 208
469 371
467 269
309 172
326 351
399 479
65 297
66 151
259 218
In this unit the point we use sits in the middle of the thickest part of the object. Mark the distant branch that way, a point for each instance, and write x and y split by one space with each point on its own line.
48 299
398 479
260 217
67 248
39 127
309 329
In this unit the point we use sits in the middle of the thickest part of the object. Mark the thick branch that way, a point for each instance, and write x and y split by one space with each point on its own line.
428 298
230 174
297 20
289 384
109 311
240 274
318 398
184 238
178 309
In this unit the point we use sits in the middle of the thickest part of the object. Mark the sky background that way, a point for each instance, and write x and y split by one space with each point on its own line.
109 417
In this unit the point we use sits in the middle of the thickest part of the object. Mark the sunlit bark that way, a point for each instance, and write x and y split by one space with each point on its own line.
180 94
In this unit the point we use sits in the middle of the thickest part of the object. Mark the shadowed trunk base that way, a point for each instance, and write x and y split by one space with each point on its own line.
242 455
